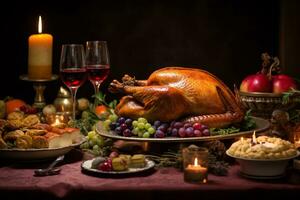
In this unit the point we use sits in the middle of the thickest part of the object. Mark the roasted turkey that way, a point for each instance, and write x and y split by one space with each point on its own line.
178 93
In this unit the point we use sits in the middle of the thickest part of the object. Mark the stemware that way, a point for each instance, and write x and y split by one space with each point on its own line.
72 69
97 62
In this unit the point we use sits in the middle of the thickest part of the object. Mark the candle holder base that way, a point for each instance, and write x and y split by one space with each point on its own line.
39 86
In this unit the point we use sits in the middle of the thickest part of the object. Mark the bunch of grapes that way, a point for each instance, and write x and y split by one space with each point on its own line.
93 142
27 109
112 118
142 128
180 129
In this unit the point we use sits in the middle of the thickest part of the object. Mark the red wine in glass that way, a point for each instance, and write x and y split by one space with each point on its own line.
73 77
97 73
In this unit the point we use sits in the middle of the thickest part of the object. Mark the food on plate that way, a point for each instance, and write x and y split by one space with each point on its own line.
39 142
137 161
24 142
26 131
262 147
120 164
173 93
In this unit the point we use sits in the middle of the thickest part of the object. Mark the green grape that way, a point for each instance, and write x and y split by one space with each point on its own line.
100 141
106 124
91 134
134 123
140 134
151 130
96 147
136 131
96 152
84 145
147 126
113 117
91 143
142 120
146 135
141 125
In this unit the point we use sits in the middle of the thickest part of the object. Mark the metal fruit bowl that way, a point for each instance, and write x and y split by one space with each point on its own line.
263 104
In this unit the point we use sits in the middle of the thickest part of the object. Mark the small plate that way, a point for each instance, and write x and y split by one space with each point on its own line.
86 166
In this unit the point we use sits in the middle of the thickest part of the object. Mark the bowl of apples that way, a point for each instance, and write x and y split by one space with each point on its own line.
266 90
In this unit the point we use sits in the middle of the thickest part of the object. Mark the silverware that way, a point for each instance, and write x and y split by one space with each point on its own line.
51 170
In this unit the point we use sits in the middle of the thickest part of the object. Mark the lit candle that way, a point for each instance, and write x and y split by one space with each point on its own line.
254 141
195 173
40 54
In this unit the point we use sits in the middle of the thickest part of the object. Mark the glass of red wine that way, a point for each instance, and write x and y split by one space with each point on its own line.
72 69
97 62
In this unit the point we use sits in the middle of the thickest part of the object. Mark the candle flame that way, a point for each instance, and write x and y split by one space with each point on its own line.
254 138
40 30
196 162
242 139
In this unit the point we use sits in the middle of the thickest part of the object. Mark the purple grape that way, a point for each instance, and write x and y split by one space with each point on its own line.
113 126
118 130
121 120
189 132
205 132
127 133
197 133
203 127
159 134
169 131
117 124
181 132
128 122
172 124
186 125
123 126
163 127
178 125
157 123
174 132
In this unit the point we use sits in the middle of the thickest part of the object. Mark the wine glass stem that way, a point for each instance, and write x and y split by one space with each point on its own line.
73 93
97 88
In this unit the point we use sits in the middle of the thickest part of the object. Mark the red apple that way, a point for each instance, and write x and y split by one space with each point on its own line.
283 83
256 83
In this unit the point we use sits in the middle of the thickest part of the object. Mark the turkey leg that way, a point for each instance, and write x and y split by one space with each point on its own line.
151 102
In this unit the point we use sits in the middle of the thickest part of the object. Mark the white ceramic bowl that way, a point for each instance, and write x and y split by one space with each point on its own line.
263 168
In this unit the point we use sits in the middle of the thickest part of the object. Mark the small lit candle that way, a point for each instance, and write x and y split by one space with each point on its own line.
40 54
195 173
59 122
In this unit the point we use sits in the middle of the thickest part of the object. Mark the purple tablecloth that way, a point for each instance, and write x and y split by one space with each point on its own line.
17 180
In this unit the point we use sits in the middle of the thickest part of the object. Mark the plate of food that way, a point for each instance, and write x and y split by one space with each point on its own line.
25 138
123 164
261 125
263 157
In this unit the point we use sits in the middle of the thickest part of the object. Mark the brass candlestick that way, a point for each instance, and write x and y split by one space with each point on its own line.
39 86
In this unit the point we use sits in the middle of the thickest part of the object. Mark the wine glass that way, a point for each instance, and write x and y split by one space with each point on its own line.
72 69
97 62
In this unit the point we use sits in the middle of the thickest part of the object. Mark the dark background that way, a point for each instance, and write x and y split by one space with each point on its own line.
224 37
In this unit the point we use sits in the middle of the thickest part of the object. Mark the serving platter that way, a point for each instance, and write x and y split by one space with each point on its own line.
262 125
87 167
36 154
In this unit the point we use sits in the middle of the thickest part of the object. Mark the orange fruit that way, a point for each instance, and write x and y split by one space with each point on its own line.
101 109
13 105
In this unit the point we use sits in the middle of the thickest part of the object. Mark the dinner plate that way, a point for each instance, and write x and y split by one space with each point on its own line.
87 167
36 154
261 126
